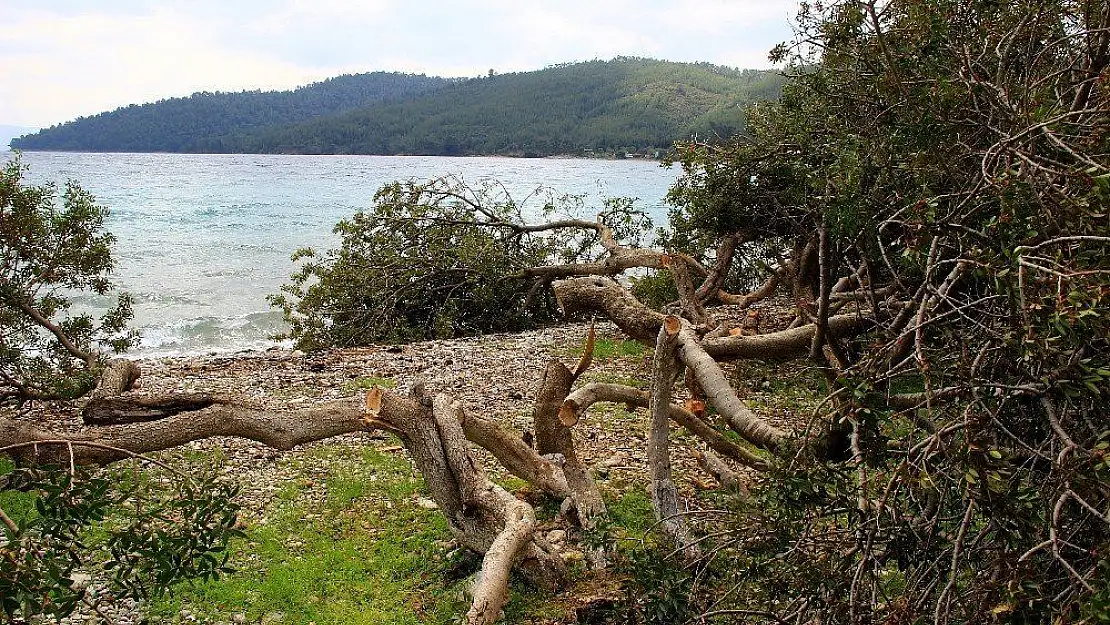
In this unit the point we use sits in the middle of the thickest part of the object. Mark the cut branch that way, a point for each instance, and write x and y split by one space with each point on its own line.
664 494
118 376
279 429
720 394
784 344
480 503
607 297
725 476
604 295
763 292
719 271
552 437
578 402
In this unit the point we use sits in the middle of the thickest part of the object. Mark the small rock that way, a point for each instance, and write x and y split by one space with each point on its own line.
427 504
556 536
80 582
238 618
297 354
614 460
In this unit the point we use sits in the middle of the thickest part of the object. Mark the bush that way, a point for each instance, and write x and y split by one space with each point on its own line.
973 188
437 259
48 253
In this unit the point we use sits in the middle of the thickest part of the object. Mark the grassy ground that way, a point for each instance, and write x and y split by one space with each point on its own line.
348 541
17 505
350 537
345 545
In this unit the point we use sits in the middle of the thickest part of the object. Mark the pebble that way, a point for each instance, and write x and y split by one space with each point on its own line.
81 581
510 363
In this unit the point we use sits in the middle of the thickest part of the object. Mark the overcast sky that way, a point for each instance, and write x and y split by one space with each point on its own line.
60 59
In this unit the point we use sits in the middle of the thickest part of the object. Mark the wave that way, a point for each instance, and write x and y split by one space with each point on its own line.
211 335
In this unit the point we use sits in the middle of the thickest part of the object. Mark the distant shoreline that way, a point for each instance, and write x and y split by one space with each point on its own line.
592 157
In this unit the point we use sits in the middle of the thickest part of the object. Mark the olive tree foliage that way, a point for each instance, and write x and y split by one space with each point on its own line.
146 538
946 162
139 540
48 252
439 259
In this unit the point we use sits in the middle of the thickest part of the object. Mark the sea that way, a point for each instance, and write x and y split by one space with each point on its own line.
201 240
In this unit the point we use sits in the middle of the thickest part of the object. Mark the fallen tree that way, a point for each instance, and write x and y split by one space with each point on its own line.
929 201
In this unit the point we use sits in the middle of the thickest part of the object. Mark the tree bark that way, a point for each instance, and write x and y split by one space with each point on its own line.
721 395
552 437
579 401
612 300
620 257
664 494
118 376
122 410
726 477
515 455
605 296
781 345
690 305
481 514
719 271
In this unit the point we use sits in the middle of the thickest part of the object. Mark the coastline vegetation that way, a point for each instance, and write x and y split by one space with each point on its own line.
916 433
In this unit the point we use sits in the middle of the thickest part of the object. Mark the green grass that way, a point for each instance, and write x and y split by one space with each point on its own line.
632 514
769 386
610 349
19 506
364 553
365 384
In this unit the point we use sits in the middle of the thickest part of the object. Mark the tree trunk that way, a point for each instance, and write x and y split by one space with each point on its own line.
664 494
553 437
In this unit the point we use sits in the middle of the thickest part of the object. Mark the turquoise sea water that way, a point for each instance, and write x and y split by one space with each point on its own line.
203 239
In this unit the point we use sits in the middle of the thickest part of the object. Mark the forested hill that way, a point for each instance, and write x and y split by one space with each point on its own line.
597 107
187 124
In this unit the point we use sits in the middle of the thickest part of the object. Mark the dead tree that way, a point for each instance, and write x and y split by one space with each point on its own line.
436 431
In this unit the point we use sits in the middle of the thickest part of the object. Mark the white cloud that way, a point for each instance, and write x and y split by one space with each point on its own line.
60 59
61 67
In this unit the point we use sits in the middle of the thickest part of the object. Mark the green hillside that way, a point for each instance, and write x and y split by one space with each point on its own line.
187 124
597 107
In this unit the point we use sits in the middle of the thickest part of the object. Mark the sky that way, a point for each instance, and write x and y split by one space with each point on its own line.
61 59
